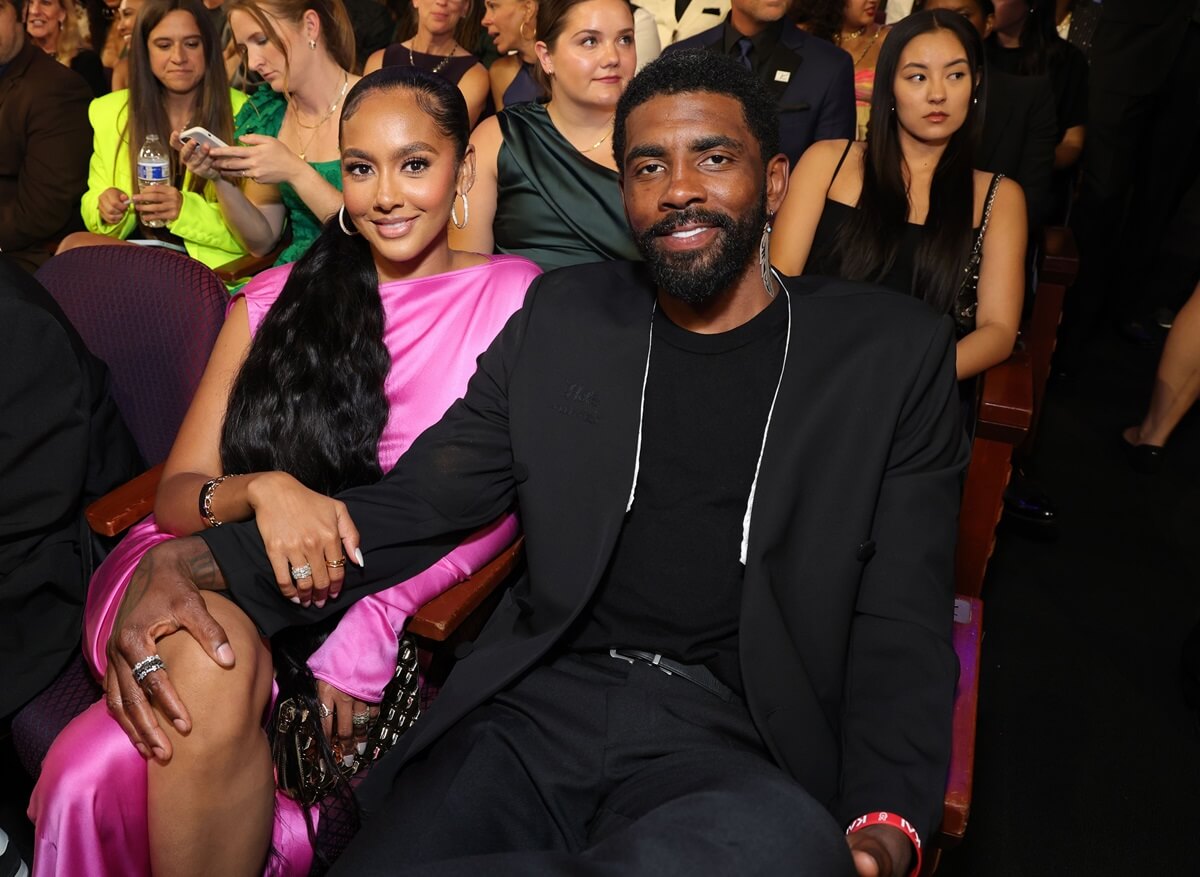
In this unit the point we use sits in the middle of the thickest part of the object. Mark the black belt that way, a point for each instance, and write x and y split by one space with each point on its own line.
697 674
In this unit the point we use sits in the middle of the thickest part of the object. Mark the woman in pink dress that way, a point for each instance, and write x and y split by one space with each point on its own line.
325 372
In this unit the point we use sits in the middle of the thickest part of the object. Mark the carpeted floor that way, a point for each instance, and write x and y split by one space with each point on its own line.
1087 761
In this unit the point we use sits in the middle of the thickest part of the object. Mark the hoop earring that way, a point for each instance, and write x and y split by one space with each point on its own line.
521 31
764 259
454 211
349 232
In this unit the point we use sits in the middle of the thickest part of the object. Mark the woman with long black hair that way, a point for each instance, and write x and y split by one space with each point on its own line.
324 374
906 209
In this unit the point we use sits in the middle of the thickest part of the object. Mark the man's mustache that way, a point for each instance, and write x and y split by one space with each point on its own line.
690 216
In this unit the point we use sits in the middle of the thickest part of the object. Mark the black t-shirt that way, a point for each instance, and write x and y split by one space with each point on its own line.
674 584
1068 74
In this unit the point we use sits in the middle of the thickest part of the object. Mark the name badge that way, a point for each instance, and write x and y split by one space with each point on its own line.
783 75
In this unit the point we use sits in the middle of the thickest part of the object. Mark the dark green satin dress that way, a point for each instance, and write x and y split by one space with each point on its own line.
554 205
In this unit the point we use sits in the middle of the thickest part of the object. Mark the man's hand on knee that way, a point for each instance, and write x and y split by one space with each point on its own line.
163 597
881 851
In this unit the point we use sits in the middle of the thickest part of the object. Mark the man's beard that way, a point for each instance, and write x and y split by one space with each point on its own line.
696 276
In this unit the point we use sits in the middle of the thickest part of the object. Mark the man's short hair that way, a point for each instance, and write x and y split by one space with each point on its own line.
19 6
692 70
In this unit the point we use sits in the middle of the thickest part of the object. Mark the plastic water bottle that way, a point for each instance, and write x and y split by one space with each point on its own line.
153 169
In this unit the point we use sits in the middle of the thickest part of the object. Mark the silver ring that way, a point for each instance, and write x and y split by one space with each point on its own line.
324 711
302 572
360 720
146 666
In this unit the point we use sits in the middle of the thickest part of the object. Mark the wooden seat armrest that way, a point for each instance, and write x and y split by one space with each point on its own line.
124 506
1060 256
441 616
968 631
1006 402
250 264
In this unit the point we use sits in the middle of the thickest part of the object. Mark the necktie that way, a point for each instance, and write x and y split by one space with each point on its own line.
744 47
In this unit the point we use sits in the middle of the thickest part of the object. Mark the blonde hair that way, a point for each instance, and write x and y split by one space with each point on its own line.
335 23
70 38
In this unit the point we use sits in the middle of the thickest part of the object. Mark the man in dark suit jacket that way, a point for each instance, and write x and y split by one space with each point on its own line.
63 444
739 494
811 80
45 145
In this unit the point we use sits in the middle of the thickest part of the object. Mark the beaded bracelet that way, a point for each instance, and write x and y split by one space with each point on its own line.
206 495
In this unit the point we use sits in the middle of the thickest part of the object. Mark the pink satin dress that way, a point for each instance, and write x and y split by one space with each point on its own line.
89 805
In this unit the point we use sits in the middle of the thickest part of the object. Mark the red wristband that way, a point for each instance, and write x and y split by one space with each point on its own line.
882 817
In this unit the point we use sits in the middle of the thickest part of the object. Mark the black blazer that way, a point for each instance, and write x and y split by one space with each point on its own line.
846 655
812 80
1019 136
62 445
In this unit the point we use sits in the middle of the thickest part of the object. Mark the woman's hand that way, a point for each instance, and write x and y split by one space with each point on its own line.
263 159
196 156
339 711
113 203
158 203
302 528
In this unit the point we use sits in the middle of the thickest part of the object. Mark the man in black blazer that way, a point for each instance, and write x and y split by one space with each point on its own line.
62 445
739 494
811 80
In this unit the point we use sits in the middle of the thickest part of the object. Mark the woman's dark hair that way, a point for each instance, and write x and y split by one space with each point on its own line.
866 247
1040 47
309 399
821 18
147 110
987 7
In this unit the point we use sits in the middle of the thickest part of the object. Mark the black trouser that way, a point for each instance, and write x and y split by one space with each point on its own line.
591 765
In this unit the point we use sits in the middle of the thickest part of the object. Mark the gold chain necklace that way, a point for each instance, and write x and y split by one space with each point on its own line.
607 134
325 118
440 65
854 34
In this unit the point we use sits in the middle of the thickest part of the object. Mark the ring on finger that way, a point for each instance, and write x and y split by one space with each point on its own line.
360 720
336 564
301 572
146 666
324 711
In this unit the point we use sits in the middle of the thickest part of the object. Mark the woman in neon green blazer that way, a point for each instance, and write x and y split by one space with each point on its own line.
177 79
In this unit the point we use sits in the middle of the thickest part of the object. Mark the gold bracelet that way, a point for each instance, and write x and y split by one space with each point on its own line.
206 495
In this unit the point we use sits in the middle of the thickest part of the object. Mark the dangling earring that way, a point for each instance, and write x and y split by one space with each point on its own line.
312 44
764 260
454 211
349 232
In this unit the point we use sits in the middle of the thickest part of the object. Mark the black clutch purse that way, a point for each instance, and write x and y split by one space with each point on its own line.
308 768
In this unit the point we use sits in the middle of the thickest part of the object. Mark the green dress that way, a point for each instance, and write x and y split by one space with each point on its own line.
554 205
263 114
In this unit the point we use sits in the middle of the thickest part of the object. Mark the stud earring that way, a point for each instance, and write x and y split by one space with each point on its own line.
312 44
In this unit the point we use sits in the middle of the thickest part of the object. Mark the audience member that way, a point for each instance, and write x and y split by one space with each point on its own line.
437 23
126 15
63 445
53 28
112 47
1076 20
176 81
380 294
653 422
373 28
1143 137
677 20
906 209
850 25
44 148
547 185
1176 388
811 80
512 25
285 166
1019 129
1024 42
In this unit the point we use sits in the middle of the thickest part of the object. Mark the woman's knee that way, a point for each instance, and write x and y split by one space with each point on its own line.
223 702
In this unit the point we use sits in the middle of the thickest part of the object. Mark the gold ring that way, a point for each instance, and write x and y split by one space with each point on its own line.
336 564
